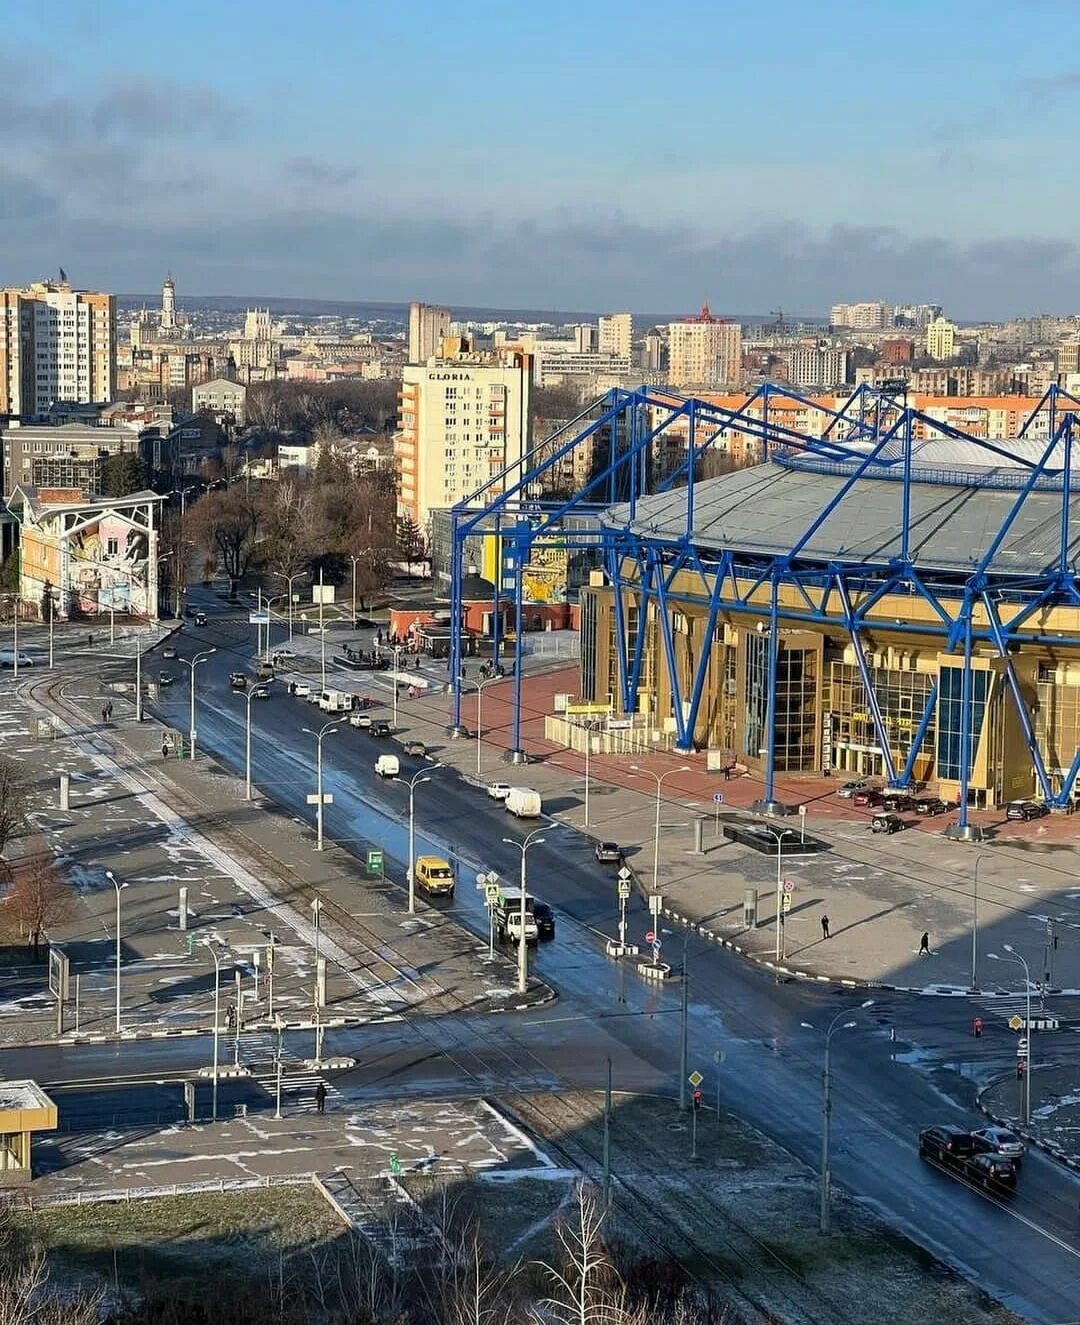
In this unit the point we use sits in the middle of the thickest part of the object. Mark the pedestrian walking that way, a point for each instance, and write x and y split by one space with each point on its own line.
90 640
109 710
378 638
924 945
824 927
320 1097
417 662
104 714
164 749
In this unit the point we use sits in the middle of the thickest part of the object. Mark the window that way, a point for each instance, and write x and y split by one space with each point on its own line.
112 547
950 709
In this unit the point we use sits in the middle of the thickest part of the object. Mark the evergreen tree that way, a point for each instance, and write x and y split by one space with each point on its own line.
122 474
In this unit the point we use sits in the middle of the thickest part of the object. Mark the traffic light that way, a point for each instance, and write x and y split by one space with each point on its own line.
697 1098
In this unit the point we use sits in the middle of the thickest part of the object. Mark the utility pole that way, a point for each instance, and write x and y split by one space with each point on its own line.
683 1032
607 1140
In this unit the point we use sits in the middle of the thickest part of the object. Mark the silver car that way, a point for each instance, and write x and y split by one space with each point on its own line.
999 1141
850 788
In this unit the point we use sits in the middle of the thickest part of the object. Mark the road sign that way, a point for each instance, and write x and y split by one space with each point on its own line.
789 885
787 901
695 1079
624 875
718 798
491 892
59 972
1016 1023
624 891
374 861
313 798
656 903
258 618
650 936
1022 1048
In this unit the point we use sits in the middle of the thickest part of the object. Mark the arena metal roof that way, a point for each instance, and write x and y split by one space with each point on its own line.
766 509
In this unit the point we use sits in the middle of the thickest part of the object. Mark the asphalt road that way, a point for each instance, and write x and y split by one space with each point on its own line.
1026 1252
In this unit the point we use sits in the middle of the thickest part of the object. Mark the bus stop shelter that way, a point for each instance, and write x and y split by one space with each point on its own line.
24 1110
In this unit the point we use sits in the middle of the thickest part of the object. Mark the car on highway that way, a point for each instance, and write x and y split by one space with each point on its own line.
850 788
887 823
946 1143
168 651
381 728
994 1172
545 920
164 678
608 853
1025 810
417 749
282 655
866 796
897 801
498 791
999 1141
301 689
200 618
388 766
361 720
237 681
931 806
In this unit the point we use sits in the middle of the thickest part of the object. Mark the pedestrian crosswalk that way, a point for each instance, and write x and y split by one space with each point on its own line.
299 1083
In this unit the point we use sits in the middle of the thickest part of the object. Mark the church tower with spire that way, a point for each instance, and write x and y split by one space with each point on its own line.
167 321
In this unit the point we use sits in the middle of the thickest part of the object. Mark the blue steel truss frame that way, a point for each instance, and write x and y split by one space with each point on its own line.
871 434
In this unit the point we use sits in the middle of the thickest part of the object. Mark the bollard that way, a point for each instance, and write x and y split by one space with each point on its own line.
699 832
65 791
749 908
183 908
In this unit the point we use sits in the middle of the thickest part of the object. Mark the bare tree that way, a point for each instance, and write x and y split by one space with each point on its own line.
586 1289
13 802
226 525
39 899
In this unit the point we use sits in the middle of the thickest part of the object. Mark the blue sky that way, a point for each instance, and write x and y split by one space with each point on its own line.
587 155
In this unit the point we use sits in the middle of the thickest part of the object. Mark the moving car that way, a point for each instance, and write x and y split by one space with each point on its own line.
434 875
887 823
200 618
7 658
545 920
387 766
164 678
850 788
523 802
191 613
168 651
866 796
416 748
301 689
1026 810
361 720
608 853
931 805
237 680
946 1143
336 701
994 1172
498 791
999 1141
507 917
282 655
380 728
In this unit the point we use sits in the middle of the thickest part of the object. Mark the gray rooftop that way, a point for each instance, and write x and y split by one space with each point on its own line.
766 509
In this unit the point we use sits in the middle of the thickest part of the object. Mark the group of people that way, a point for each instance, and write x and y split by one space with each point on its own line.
107 712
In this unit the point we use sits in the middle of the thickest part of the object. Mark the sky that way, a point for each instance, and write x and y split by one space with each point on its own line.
585 155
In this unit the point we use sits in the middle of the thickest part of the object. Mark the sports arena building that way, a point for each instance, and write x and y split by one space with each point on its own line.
889 597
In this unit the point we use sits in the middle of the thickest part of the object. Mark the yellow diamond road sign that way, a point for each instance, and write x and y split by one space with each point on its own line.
695 1079
1016 1023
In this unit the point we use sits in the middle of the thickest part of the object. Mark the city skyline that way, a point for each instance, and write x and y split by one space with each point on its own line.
124 152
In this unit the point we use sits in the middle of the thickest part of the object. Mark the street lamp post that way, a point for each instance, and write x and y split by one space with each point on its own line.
424 775
279 1026
479 726
659 779
975 926
119 889
217 1018
191 664
327 730
1015 956
825 1189
397 665
289 581
523 952
779 834
256 692
354 560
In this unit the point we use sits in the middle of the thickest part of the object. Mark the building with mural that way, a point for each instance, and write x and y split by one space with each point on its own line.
90 555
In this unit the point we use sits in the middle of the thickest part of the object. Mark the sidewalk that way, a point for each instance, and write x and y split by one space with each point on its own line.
879 894
1055 1101
251 874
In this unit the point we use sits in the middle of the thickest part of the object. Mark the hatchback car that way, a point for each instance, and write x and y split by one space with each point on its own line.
1025 810
866 796
498 791
237 680
361 720
947 1144
168 651
200 618
380 729
608 853
994 1172
850 788
164 678
545 920
887 823
999 1141
931 805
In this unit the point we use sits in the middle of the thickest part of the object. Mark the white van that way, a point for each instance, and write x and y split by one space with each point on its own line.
387 766
524 802
336 701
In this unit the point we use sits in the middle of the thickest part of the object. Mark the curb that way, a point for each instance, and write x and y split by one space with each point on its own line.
1050 1148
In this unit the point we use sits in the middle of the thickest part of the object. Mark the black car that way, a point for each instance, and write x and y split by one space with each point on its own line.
1026 810
545 920
897 802
930 805
994 1172
887 823
200 618
191 612
608 853
947 1144
380 728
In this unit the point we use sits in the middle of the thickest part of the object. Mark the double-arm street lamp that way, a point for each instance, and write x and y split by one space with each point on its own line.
119 889
1013 956
289 581
533 840
659 780
327 730
779 834
191 664
217 1017
256 692
826 1106
424 775
479 685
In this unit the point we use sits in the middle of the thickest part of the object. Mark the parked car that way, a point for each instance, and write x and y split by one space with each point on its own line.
608 853
361 720
168 651
887 823
380 728
1026 810
866 796
946 1143
164 678
850 788
545 920
931 805
282 655
498 791
200 618
415 748
897 801
999 1141
301 689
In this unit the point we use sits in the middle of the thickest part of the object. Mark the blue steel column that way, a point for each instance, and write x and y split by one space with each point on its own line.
496 610
613 556
664 617
920 735
768 803
1001 643
456 541
965 719
867 680
516 754
1066 495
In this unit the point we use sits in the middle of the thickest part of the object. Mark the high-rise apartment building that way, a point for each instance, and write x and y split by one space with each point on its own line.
56 344
704 351
616 334
427 327
816 365
465 416
940 338
871 315
1067 356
